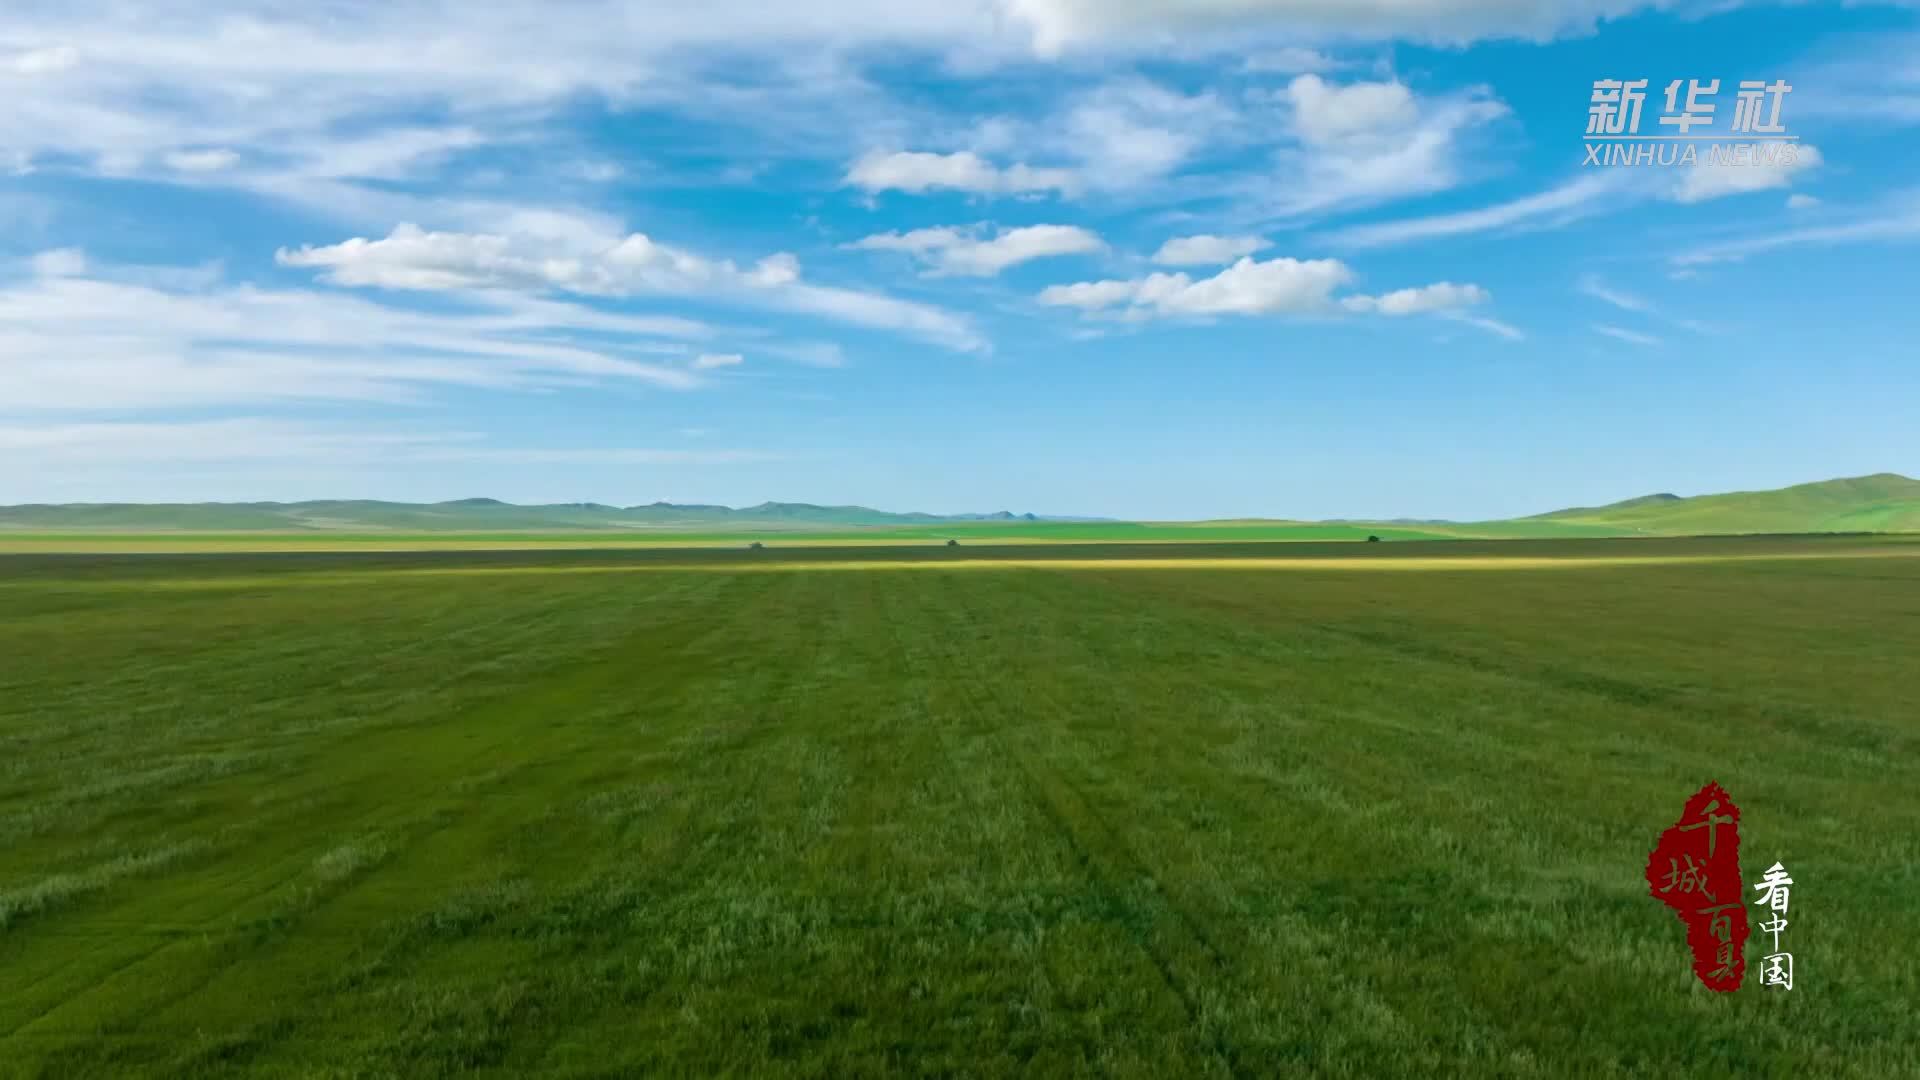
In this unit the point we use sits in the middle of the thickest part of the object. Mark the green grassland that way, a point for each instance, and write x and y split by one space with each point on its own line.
1129 810
1884 502
1116 532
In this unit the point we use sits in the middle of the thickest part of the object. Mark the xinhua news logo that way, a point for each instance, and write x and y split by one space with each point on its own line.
1754 134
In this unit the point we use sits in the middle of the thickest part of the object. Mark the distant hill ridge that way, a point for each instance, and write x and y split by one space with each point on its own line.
1883 502
464 515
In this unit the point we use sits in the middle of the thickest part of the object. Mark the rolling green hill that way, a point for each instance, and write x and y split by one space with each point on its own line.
1885 502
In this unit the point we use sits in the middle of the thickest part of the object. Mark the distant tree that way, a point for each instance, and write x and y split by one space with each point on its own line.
1373 539
953 543
756 545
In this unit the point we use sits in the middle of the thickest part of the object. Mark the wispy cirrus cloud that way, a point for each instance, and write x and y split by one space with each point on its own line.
327 105
1490 325
1592 285
1362 143
1892 220
1591 192
607 264
1132 132
244 439
1111 135
1869 81
78 337
1599 289
1568 201
1631 337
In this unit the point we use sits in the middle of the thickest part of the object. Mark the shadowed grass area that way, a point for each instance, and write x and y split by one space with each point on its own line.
1089 812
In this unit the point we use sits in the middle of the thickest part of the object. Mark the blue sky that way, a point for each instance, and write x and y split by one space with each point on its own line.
1137 258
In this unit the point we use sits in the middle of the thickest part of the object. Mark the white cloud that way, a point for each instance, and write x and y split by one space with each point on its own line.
1208 250
1122 136
1801 201
819 354
1632 337
167 103
521 51
714 361
1367 142
879 312
774 270
60 262
1426 299
49 61
235 439
1092 295
308 90
1704 181
1491 326
254 439
328 101
1134 132
412 258
920 172
386 154
1868 80
212 160
118 338
1583 195
325 105
917 242
598 172
1289 60
1327 113
1566 202
962 250
1896 219
1248 287
1593 286
1059 25
558 255
597 456
1280 286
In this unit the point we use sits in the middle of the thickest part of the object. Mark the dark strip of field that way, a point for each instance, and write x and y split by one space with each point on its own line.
1334 554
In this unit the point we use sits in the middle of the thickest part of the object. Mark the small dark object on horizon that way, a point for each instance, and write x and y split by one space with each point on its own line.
755 546
953 543
1373 539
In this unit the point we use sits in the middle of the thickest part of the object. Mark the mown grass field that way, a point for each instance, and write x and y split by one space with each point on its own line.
1227 810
